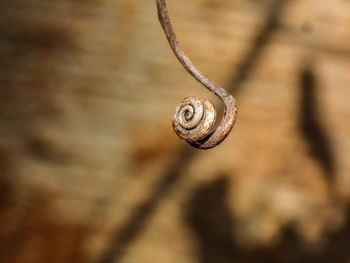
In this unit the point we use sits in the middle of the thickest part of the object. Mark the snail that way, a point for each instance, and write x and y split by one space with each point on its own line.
194 118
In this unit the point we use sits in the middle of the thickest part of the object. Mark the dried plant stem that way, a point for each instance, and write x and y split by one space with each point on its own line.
187 111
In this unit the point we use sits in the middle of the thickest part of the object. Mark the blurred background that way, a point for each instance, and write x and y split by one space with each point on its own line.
91 170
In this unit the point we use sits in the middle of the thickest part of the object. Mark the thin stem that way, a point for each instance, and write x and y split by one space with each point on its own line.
230 112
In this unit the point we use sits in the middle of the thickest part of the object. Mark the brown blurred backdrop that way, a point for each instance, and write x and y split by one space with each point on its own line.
91 171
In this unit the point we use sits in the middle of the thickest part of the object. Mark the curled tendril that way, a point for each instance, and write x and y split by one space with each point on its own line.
194 118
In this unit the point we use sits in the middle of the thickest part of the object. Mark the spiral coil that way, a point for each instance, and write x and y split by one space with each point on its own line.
194 119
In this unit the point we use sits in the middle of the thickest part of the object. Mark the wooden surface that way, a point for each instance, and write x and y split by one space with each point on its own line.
91 170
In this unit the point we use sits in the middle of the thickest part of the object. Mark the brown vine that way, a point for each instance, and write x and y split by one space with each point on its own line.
194 118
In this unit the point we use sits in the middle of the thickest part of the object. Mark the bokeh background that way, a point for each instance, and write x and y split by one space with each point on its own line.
91 170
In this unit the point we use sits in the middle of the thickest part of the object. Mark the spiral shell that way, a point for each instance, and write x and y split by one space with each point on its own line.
194 119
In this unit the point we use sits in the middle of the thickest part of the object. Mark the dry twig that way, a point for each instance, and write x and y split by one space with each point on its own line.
194 118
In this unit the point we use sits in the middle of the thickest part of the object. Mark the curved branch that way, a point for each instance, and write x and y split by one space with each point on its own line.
186 111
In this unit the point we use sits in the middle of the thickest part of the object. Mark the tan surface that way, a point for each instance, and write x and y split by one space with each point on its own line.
91 170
